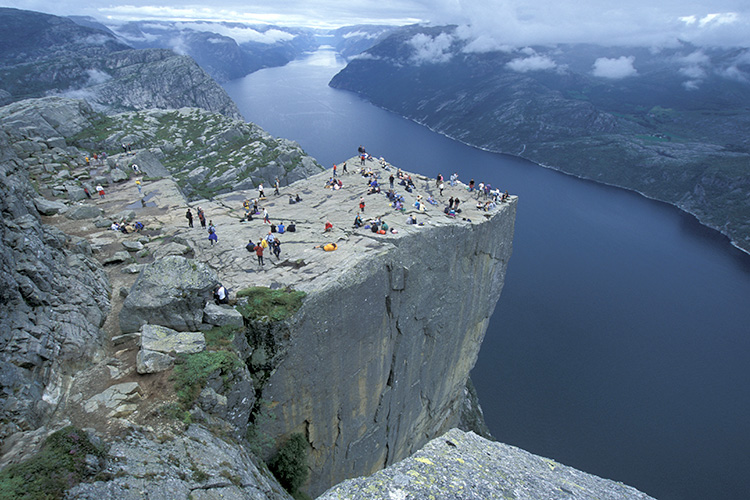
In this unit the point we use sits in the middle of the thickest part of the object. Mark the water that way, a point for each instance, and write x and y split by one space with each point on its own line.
621 342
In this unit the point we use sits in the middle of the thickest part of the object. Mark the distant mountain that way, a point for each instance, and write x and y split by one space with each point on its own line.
41 54
350 41
225 50
671 124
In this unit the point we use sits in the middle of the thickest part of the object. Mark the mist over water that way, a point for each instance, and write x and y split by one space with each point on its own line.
621 342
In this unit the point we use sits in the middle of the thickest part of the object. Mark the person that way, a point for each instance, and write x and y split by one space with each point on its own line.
266 218
358 221
391 179
297 199
292 228
136 169
471 185
442 186
411 219
189 217
328 226
334 169
438 180
456 201
250 245
328 247
212 237
202 217
261 193
450 202
138 185
100 190
280 228
259 253
276 187
246 206
362 205
343 168
220 295
138 225
276 248
88 193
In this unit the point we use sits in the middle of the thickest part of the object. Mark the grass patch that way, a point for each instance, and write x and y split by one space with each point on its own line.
59 465
220 337
275 304
191 372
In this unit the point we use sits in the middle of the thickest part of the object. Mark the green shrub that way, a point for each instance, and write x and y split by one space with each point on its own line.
191 372
289 466
59 465
276 304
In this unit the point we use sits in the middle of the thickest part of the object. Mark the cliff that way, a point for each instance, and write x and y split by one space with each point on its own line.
371 366
43 54
465 466
651 129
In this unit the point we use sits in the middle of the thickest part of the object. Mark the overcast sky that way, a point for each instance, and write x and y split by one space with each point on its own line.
512 22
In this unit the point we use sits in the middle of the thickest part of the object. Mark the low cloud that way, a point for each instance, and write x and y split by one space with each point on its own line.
241 34
533 63
429 49
614 69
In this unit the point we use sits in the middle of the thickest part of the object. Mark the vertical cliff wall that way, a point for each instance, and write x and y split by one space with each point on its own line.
379 356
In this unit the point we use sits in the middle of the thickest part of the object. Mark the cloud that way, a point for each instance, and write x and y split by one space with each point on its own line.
614 69
429 49
242 34
533 63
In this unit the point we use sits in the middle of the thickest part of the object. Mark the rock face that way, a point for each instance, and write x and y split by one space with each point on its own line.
54 296
465 466
170 292
195 466
410 318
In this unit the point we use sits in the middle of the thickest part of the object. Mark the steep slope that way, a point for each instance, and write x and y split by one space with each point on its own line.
668 124
44 54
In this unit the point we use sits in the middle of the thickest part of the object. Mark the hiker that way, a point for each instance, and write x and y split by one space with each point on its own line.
250 245
280 228
189 217
201 217
265 216
276 247
220 295
212 237
334 169
136 169
100 190
87 192
276 187
138 185
343 168
261 193
328 247
259 252
328 227
362 205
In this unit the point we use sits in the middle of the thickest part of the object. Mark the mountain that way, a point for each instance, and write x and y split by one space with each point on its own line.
41 54
670 124
225 50
350 41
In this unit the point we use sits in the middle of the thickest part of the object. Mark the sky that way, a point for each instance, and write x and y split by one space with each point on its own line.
647 23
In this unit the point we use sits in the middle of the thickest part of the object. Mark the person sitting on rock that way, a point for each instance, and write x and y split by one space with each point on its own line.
292 228
280 228
411 219
358 221
220 295
250 245
297 199
328 226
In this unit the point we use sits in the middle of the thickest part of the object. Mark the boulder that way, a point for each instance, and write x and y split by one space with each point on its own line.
126 215
171 248
132 246
83 212
118 175
217 315
165 340
118 258
47 207
171 292
152 362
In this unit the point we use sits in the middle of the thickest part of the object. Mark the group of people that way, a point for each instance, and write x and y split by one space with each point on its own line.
126 228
